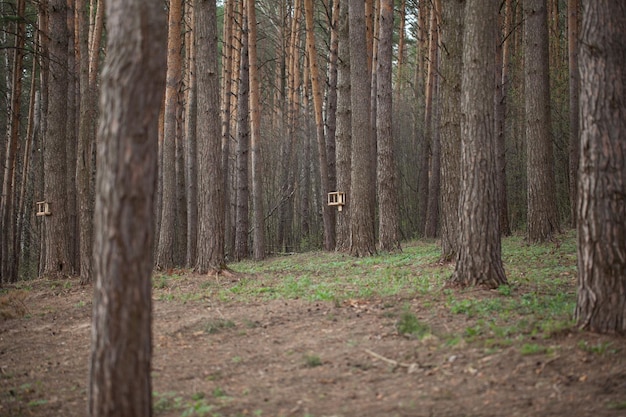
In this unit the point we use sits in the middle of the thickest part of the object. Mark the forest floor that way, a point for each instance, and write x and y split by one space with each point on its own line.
321 334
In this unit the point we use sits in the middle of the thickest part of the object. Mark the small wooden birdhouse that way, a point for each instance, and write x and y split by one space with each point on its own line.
43 208
337 198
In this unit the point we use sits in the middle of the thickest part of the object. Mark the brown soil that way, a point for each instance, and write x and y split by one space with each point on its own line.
299 358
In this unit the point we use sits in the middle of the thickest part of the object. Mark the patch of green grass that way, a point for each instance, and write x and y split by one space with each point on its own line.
532 349
620 405
600 348
409 325
311 361
217 325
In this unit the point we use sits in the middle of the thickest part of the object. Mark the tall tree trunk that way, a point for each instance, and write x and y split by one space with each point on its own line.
344 128
84 150
230 70
601 305
450 125
243 148
72 136
388 225
479 261
211 209
573 7
57 259
362 240
258 241
501 76
167 231
132 86
327 214
191 144
543 220
9 260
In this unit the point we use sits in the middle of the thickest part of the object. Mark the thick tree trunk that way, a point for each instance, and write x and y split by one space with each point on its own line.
543 220
57 259
211 210
362 240
601 305
479 261
132 86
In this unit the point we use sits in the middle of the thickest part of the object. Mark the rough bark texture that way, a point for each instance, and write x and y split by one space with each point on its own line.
479 261
344 128
388 214
362 241
258 240
56 261
167 231
543 220
574 101
211 210
327 215
601 305
132 91
450 124
243 150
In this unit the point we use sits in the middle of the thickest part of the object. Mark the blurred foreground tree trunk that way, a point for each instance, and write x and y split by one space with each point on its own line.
132 86
601 305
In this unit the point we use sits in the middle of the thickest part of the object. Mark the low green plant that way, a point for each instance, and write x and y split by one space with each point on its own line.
532 349
409 325
217 325
311 361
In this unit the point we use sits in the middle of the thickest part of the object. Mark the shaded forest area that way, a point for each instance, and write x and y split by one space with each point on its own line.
286 135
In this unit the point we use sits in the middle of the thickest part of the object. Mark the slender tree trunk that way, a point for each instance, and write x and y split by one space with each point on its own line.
84 146
543 221
500 115
344 128
258 241
601 305
72 137
132 86
211 209
327 214
388 225
362 240
9 260
573 7
479 261
450 125
167 231
190 137
243 148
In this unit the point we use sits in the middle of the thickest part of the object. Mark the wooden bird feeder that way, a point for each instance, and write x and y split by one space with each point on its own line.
337 198
43 208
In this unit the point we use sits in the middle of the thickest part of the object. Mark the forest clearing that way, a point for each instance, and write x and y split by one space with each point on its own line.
325 334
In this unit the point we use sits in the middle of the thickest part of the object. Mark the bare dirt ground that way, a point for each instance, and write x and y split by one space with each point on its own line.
300 358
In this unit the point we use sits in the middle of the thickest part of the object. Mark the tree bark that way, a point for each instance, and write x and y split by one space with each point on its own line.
450 124
601 304
479 261
258 236
167 231
57 259
327 214
573 7
344 128
362 240
132 87
211 209
388 225
543 220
